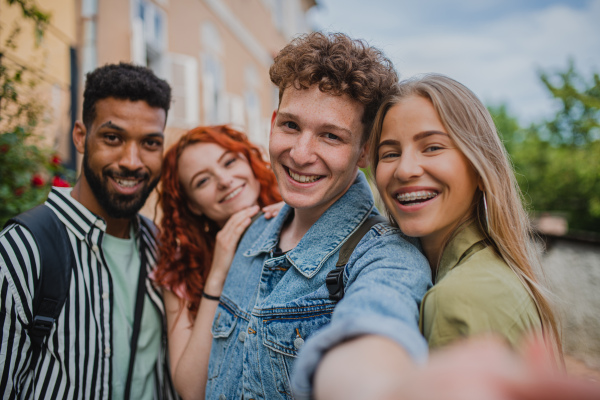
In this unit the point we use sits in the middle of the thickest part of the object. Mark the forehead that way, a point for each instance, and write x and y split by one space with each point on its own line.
197 157
411 115
316 108
129 115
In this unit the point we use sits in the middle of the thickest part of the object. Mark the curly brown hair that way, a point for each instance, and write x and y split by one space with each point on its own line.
339 65
185 245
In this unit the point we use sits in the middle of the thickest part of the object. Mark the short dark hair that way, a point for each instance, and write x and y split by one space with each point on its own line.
339 65
126 82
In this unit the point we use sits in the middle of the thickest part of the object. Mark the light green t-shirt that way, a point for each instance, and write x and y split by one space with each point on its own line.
475 292
123 260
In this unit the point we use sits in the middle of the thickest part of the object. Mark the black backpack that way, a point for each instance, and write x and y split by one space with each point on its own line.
57 260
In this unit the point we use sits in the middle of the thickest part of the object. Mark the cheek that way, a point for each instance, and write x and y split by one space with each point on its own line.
382 177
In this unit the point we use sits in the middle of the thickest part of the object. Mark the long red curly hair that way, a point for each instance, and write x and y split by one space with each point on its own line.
186 246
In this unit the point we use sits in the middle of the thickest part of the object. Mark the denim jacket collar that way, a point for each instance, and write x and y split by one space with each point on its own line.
335 225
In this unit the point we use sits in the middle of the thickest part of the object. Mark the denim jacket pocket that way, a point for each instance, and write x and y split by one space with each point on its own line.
223 326
284 336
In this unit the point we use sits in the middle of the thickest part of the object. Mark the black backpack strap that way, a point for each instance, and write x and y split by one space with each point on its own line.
334 279
56 259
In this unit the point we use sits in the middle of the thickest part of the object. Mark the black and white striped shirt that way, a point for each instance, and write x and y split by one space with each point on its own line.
75 360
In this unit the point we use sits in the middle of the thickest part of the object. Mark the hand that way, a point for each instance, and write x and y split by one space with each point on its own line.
272 210
225 246
487 368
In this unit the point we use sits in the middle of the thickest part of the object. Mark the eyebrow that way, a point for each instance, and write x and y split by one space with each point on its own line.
110 125
416 138
287 115
225 153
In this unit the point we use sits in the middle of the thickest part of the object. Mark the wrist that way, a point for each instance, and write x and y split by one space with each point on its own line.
210 297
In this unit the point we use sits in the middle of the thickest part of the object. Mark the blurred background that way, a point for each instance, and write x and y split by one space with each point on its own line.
534 63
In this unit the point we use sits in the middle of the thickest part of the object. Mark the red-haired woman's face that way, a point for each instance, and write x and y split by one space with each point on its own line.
217 182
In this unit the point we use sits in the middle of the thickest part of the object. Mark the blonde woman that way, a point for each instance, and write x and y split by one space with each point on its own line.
444 177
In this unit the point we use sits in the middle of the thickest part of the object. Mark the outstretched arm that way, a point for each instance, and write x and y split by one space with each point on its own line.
375 365
474 369
190 344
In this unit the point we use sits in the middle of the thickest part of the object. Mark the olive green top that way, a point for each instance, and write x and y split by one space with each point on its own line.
475 292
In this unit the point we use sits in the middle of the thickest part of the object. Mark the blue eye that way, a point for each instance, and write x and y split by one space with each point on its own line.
389 155
332 136
291 125
200 182
433 148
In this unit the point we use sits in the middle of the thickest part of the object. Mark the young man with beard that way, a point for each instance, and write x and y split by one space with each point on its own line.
90 351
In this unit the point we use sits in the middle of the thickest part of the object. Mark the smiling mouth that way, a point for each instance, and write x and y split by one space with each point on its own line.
303 178
415 198
126 183
232 194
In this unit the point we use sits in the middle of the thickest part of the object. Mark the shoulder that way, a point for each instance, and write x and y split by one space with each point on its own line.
385 241
149 230
483 276
482 294
19 265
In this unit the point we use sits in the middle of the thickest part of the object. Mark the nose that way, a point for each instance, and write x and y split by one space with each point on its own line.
224 179
408 167
303 151
131 157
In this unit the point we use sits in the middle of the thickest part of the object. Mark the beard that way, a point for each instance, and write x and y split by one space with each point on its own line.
117 205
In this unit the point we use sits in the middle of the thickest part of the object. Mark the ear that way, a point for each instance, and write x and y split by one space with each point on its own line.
79 134
273 117
363 159
480 184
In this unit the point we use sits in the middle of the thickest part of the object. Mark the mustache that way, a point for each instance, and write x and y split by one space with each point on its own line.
127 174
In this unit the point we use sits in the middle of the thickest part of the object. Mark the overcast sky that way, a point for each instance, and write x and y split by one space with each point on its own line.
495 47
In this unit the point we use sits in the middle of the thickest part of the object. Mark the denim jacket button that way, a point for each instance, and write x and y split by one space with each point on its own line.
242 336
222 397
298 342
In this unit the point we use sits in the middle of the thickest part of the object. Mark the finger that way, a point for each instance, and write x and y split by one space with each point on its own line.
240 216
557 388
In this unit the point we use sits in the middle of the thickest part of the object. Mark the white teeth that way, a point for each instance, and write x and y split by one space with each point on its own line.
421 195
233 194
126 182
304 178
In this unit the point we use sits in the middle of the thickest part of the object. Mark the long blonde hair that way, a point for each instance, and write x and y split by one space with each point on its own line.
508 229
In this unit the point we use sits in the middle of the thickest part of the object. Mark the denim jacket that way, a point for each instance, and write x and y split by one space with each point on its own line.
271 305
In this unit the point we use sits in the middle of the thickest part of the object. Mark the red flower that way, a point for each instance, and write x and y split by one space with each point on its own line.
4 148
56 159
59 182
37 181
19 191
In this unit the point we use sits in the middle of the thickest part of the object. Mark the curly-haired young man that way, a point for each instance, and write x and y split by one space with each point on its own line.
90 351
275 297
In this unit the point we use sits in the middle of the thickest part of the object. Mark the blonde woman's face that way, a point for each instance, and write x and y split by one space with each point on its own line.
217 182
427 184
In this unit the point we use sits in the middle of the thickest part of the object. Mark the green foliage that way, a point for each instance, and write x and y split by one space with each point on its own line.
577 122
558 161
33 13
27 168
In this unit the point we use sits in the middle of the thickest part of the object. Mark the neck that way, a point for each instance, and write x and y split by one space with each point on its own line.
432 249
117 227
296 228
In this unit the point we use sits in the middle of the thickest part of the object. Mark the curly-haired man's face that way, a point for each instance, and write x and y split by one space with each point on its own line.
315 147
122 156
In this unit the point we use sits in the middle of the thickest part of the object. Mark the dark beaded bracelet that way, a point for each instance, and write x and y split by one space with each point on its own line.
208 296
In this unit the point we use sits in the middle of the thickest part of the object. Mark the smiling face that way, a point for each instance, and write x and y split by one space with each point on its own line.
122 156
315 147
217 182
426 182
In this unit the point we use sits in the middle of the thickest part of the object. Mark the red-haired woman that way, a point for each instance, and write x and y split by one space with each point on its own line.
213 181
